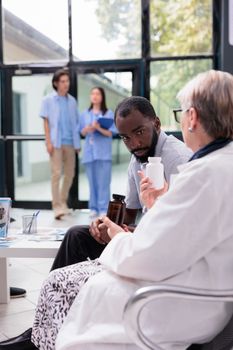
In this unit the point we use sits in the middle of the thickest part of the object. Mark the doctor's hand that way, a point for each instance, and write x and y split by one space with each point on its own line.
88 129
98 230
96 125
112 228
148 194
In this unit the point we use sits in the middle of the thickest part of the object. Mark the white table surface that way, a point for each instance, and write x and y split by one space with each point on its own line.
26 246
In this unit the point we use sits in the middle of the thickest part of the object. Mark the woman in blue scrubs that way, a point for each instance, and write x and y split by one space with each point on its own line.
97 151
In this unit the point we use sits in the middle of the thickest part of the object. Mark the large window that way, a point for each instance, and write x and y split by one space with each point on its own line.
180 27
31 171
35 31
106 29
174 32
148 48
167 78
117 86
28 92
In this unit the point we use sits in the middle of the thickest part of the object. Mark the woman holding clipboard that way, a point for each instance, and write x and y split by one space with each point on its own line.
97 126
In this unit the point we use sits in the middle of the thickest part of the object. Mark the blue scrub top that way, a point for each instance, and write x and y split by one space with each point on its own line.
51 109
96 145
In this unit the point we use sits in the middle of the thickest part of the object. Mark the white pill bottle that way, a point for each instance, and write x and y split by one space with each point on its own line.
155 172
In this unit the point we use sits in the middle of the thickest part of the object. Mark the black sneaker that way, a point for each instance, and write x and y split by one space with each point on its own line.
17 292
21 342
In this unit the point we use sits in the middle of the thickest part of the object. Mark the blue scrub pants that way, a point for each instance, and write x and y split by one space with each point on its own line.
99 178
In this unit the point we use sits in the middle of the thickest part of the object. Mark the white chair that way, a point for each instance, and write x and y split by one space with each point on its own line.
143 296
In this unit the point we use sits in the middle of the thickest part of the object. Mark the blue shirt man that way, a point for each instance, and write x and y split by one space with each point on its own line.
61 125
62 115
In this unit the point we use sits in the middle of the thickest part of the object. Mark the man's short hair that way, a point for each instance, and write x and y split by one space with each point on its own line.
58 74
135 103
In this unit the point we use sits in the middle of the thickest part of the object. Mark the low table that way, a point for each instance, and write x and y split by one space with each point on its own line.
22 248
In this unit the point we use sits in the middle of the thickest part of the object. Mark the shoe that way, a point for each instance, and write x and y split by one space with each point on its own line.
21 342
17 292
66 210
59 214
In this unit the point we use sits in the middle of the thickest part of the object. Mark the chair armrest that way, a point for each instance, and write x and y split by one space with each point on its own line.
143 296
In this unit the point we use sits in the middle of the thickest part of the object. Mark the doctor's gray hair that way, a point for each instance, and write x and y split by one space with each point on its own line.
211 94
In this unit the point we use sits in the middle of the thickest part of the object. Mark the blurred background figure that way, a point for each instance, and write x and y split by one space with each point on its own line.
97 150
59 111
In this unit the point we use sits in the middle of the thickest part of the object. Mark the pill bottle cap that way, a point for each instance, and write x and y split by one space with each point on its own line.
118 197
154 159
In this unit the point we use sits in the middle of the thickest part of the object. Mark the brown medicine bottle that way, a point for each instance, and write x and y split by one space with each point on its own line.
116 209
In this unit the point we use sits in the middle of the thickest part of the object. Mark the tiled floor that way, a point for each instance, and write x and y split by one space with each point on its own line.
18 315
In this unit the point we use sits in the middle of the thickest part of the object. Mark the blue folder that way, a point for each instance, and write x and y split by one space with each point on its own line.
105 123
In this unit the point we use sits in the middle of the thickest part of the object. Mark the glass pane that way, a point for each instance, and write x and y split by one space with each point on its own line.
120 162
31 171
28 92
167 78
174 27
35 31
106 29
117 86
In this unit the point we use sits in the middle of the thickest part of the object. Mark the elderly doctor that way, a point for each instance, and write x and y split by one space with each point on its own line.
185 239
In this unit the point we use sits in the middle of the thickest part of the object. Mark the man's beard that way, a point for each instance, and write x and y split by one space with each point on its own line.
150 151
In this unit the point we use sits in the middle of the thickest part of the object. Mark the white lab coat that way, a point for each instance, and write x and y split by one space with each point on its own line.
185 239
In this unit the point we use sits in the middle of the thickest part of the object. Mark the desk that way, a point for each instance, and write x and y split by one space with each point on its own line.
22 248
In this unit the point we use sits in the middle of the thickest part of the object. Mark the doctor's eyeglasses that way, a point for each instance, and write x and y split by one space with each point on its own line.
177 113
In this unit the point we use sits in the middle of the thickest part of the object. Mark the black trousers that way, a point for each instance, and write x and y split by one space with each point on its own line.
77 246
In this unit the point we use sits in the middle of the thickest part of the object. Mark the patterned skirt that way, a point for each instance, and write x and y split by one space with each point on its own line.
56 297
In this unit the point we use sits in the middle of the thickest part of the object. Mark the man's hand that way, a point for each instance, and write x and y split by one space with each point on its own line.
49 147
129 228
112 228
98 230
149 194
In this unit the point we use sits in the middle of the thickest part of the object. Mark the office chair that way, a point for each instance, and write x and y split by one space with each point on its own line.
143 296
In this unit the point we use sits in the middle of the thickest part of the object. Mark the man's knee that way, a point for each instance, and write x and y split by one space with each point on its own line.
56 175
75 232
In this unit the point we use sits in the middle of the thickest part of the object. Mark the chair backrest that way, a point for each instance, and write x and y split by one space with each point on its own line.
223 341
143 296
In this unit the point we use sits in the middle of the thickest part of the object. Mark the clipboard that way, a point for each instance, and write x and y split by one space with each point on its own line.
105 123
